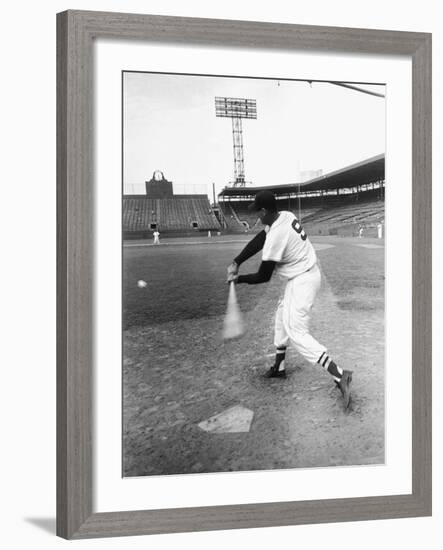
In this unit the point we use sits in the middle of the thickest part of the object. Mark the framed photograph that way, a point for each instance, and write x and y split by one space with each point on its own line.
244 274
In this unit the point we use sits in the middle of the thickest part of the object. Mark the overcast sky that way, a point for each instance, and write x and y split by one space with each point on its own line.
170 125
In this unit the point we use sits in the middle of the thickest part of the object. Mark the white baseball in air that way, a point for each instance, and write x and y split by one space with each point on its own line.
142 284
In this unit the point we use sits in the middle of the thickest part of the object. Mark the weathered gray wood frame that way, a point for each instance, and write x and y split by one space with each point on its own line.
76 31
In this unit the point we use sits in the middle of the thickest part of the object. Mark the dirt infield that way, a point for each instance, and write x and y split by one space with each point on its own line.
178 372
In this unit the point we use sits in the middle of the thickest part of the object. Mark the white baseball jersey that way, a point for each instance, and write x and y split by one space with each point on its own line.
288 245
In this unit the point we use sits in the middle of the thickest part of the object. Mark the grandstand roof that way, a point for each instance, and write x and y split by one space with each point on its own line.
366 171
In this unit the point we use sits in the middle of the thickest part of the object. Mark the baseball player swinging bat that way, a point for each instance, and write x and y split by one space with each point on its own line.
288 251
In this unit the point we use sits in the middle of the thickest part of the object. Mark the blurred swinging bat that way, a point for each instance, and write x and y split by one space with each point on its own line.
233 323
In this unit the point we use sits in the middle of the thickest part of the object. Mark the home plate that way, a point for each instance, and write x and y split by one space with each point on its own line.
233 420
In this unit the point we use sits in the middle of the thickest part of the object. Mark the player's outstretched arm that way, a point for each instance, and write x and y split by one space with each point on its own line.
253 246
263 274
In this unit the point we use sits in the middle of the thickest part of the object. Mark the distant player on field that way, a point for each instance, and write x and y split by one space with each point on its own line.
156 235
288 251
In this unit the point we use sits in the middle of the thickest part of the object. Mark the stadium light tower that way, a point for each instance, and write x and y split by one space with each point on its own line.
236 109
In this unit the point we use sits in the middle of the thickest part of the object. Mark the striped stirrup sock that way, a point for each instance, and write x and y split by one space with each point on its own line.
280 355
328 364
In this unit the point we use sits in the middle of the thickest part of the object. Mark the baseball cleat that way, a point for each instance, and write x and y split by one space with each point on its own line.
273 372
344 385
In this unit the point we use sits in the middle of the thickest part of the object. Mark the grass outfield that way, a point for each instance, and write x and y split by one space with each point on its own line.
177 371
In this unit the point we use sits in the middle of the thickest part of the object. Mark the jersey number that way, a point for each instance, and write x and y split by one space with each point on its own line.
299 229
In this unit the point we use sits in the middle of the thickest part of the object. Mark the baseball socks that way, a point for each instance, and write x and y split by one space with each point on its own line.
343 378
328 364
278 369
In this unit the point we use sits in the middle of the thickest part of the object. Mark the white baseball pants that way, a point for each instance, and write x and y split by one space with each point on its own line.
293 315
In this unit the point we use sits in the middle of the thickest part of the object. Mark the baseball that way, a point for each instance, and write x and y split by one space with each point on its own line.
142 284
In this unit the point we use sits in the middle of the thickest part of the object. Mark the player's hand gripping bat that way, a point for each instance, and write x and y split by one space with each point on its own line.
232 272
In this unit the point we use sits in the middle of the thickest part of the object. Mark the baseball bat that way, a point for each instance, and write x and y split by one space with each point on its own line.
233 323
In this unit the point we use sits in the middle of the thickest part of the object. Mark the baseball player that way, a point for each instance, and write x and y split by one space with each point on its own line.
156 235
379 230
288 251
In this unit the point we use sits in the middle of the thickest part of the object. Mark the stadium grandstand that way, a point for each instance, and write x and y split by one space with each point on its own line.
343 202
168 213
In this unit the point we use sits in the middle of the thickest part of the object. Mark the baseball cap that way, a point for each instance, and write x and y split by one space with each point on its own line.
264 199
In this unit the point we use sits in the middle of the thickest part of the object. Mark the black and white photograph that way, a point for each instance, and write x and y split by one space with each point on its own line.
253 263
